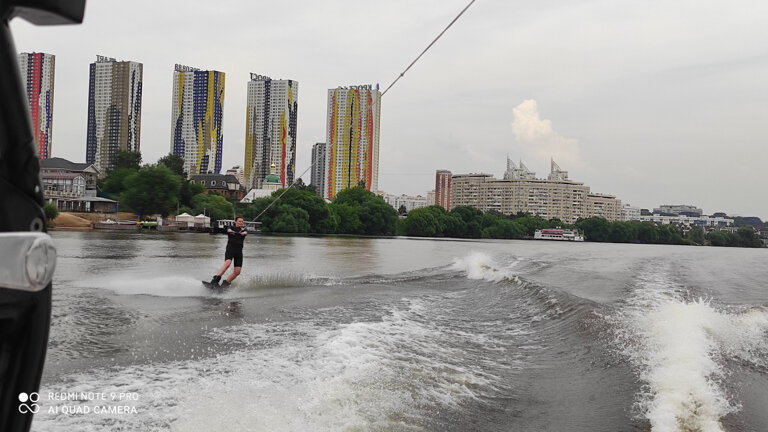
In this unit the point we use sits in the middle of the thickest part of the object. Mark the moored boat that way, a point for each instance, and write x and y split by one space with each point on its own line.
557 234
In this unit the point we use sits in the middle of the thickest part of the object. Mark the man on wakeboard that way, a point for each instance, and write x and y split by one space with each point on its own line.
236 236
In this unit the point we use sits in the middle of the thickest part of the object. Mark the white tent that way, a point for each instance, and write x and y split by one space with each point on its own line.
202 221
185 219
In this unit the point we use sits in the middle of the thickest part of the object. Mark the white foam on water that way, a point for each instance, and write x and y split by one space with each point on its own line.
479 265
279 280
301 375
164 286
678 347
359 376
185 286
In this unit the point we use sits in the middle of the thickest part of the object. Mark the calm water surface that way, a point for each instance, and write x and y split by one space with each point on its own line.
342 334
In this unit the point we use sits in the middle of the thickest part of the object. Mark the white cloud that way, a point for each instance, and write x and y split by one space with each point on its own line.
537 141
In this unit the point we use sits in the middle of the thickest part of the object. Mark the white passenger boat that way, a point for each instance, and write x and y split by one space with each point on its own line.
557 234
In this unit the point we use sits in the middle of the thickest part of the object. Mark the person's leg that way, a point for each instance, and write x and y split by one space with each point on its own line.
217 277
224 268
235 273
238 257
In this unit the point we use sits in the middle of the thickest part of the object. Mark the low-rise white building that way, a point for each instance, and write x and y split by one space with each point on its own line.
410 202
683 209
629 213
702 221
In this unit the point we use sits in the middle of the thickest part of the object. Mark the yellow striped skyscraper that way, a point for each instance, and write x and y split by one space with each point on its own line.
352 139
270 129
197 115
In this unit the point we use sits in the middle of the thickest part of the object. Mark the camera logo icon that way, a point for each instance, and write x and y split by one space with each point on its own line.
32 406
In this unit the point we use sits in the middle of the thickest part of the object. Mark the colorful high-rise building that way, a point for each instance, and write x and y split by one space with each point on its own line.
270 129
352 139
37 73
114 111
443 189
196 119
318 167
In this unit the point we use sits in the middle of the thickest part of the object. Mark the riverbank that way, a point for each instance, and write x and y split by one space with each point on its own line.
86 222
73 221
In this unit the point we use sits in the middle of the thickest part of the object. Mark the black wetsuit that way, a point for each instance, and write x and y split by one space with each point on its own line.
235 245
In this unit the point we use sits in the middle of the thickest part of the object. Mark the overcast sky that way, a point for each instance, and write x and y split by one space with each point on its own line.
656 102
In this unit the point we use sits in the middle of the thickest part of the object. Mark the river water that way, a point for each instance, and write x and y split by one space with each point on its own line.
345 334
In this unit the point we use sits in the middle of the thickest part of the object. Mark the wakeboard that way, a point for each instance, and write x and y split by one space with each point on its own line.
212 286
215 287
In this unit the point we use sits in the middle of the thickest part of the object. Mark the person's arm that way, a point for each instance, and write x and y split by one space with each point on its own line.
244 232
229 230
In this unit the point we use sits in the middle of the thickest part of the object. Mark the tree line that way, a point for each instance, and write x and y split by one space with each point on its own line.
300 210
469 222
600 230
358 211
162 188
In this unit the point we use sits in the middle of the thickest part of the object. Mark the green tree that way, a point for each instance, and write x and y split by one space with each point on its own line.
489 220
290 219
647 233
670 234
174 162
153 189
422 222
718 238
212 205
262 210
51 211
468 224
376 216
504 229
114 183
128 160
282 216
734 240
307 200
696 235
531 223
347 217
554 223
595 229
467 213
623 232
748 237
454 226
330 224
353 196
188 190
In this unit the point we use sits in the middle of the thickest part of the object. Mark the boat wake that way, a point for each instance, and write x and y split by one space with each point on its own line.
679 346
165 286
479 265
312 374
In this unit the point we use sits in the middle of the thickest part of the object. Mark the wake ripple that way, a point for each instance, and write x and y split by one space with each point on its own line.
679 346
